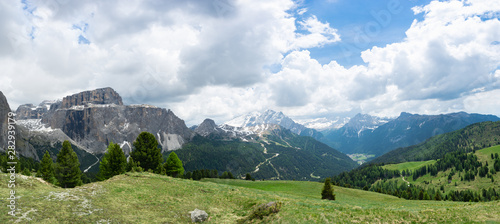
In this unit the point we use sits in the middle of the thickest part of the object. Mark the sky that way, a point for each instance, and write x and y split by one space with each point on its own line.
223 58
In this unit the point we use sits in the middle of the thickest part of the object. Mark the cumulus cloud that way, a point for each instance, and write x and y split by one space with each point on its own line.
212 58
150 51
446 60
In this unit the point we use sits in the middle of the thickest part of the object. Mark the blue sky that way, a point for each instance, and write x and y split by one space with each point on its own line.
223 58
362 24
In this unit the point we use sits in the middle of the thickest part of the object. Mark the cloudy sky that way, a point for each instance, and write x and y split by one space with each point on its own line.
224 58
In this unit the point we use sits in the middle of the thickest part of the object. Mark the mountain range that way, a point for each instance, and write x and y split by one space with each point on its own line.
371 135
91 120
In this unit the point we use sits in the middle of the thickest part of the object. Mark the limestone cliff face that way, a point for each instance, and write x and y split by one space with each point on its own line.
4 110
98 96
95 118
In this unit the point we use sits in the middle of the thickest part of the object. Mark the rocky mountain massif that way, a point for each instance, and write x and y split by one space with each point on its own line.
369 135
95 118
33 138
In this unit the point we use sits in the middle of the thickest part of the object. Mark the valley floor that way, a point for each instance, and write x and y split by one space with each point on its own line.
151 198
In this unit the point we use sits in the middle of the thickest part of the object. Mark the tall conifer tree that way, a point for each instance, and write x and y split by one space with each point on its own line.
147 153
173 166
47 168
67 169
113 162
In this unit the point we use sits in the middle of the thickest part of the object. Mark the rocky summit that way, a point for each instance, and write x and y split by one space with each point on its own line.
99 96
4 110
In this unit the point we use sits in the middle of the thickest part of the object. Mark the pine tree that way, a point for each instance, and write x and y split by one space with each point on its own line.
47 168
438 196
248 177
188 175
327 192
147 153
113 162
67 169
421 195
426 196
173 166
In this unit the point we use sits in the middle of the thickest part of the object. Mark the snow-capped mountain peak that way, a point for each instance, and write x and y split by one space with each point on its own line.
267 117
323 123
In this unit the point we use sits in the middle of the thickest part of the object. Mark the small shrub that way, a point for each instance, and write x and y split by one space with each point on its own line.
26 172
262 211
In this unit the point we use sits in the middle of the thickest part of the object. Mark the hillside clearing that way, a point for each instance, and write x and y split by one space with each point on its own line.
408 165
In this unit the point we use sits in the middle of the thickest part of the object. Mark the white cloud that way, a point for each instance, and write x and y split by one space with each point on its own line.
150 52
445 58
318 34
210 58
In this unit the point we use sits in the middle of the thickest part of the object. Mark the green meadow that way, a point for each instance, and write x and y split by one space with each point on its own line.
151 198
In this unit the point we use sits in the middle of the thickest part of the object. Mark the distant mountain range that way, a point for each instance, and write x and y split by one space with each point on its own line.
370 135
365 134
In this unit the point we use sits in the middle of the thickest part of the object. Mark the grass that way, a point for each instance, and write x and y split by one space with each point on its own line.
151 198
408 165
485 154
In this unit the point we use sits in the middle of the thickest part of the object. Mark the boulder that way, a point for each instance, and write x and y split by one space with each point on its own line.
198 215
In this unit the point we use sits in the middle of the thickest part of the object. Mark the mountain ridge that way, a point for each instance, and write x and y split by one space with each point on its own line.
408 129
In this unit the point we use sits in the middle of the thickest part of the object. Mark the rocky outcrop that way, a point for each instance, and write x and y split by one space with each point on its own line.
95 118
29 111
4 111
207 127
198 215
98 96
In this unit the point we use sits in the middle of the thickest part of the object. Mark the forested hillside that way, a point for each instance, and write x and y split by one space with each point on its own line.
457 176
278 154
472 137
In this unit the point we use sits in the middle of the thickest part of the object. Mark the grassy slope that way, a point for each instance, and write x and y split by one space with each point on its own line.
408 165
442 178
150 198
